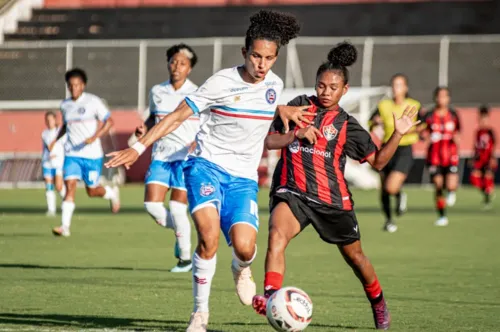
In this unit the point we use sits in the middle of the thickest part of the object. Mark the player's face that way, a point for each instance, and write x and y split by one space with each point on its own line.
484 121
330 88
259 58
399 87
179 67
50 121
76 87
443 98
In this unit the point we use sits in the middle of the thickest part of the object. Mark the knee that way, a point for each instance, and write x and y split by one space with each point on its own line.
207 246
244 248
357 258
157 211
391 188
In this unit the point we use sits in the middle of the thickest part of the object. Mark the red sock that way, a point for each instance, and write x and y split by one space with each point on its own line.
373 290
440 203
272 282
476 181
489 184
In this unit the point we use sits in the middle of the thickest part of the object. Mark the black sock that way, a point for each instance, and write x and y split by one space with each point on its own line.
487 198
386 205
440 203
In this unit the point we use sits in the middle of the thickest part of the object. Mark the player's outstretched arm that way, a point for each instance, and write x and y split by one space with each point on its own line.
60 134
168 124
401 127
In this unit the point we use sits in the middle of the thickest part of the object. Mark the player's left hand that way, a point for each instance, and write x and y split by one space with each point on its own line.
296 114
90 140
406 121
124 157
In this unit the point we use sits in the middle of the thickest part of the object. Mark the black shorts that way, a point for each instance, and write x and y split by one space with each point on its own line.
441 170
332 225
402 161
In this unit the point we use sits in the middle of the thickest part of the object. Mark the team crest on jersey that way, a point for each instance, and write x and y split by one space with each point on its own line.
330 132
270 96
207 189
294 146
81 110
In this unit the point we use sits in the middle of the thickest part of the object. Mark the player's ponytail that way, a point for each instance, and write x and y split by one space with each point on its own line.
339 58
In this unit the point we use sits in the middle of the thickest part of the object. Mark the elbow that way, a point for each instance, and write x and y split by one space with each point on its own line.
267 144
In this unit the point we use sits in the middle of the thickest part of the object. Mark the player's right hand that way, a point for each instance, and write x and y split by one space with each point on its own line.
141 130
310 133
124 157
294 113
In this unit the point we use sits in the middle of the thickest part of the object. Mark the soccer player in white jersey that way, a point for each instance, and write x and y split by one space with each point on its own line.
52 163
221 176
170 153
86 120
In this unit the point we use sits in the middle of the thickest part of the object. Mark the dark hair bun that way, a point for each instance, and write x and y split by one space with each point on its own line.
344 54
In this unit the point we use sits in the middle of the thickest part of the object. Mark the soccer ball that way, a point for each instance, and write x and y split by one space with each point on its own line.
289 309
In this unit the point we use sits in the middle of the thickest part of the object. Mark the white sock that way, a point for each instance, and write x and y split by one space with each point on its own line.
109 194
50 195
67 208
62 193
160 214
182 228
239 264
203 273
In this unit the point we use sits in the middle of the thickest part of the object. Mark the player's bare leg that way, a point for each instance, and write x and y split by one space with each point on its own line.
67 207
363 269
111 194
451 187
182 227
243 238
489 185
440 200
207 222
50 197
283 228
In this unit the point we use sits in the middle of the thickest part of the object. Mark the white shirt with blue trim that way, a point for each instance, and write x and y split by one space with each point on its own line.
82 118
239 117
164 99
54 158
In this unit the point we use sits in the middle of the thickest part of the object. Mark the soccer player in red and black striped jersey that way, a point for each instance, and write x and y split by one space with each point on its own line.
484 163
309 186
441 127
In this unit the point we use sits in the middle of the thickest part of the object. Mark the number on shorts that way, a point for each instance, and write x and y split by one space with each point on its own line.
93 176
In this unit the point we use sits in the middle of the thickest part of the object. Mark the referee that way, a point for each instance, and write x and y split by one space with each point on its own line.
394 174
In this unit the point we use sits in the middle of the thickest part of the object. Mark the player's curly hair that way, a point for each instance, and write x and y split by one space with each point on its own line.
273 26
339 58
76 72
190 53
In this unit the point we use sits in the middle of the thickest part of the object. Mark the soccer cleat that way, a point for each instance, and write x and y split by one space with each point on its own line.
443 221
259 304
487 207
390 227
402 204
245 286
451 199
182 266
115 202
177 250
381 315
198 322
60 231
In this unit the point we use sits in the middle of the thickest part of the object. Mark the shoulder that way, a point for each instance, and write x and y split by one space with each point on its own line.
301 100
89 97
413 102
274 80
159 87
64 102
190 86
384 105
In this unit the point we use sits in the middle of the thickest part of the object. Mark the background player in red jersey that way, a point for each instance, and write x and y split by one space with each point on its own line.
441 128
484 163
309 185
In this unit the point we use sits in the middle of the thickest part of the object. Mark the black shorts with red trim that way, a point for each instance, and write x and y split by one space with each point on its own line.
402 161
435 170
332 225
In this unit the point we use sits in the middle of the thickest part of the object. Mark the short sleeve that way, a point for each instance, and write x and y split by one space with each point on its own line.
359 144
102 111
206 95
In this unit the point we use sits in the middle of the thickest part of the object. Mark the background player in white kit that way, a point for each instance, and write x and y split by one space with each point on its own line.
86 119
170 153
221 177
52 163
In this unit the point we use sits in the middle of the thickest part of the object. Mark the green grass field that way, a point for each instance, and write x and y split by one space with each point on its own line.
113 271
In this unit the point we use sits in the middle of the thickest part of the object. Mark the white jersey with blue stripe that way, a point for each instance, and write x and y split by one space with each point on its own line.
163 100
240 114
54 158
82 117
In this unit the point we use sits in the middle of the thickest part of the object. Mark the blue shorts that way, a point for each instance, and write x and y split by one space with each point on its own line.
235 198
88 170
50 173
168 174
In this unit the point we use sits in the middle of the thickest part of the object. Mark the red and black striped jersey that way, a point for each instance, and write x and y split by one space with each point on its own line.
317 170
443 150
484 146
